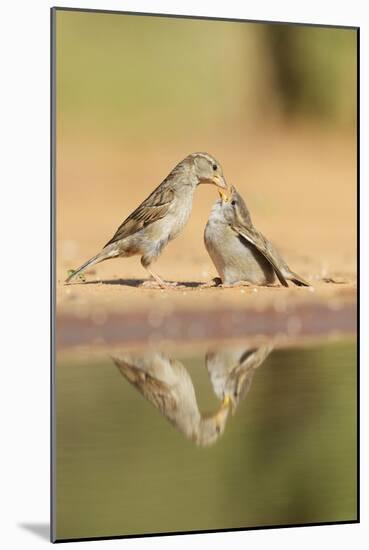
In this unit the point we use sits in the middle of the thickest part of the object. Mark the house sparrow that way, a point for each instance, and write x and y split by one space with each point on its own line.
162 215
166 384
240 252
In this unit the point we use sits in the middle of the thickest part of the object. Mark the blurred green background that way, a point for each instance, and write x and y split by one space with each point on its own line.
168 76
287 456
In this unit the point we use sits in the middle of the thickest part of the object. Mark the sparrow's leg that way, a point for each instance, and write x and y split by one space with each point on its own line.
158 281
155 281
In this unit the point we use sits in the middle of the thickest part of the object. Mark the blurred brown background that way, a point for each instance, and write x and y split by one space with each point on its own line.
274 103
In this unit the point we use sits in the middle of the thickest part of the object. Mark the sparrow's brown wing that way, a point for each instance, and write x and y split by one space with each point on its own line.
154 390
262 245
150 210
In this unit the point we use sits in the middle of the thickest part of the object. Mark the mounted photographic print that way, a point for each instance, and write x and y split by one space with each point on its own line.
204 207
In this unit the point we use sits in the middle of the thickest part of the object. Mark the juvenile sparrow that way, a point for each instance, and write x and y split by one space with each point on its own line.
166 384
240 252
162 215
231 371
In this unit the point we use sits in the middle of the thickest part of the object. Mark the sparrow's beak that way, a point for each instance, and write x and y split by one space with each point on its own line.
226 402
219 181
221 414
223 189
223 195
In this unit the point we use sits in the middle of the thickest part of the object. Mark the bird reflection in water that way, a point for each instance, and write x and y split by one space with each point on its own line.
166 383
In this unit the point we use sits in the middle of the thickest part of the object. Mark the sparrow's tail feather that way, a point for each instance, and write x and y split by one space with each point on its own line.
297 280
101 256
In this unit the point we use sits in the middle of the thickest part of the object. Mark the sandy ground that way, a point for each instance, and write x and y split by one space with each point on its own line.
300 187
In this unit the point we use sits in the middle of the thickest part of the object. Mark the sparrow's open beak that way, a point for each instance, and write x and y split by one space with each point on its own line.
223 189
223 195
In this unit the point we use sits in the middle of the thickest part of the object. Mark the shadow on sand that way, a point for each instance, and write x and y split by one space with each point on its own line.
140 283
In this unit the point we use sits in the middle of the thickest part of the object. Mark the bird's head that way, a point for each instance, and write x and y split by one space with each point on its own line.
208 170
212 426
233 208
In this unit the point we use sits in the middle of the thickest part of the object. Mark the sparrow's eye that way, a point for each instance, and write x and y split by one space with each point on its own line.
233 203
215 167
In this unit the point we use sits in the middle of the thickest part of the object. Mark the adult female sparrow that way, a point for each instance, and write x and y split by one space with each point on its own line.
166 383
240 252
162 215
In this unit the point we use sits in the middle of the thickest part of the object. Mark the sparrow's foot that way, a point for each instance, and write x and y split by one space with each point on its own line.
214 282
156 282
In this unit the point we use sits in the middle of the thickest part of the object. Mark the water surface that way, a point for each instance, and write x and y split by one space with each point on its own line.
154 441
